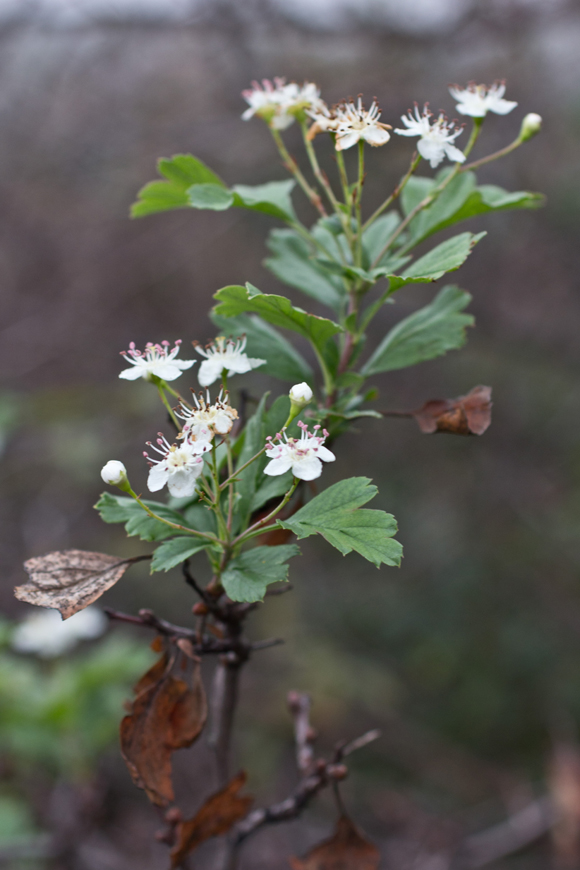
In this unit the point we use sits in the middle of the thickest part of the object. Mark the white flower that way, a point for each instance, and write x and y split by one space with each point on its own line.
179 466
206 420
226 354
45 633
278 103
478 100
325 120
436 137
301 393
302 455
354 123
155 360
114 472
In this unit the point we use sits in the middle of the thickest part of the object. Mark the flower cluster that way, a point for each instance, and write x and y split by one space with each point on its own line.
224 354
436 136
303 455
155 361
279 103
206 420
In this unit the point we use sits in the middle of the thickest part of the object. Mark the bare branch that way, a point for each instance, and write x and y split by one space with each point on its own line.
299 704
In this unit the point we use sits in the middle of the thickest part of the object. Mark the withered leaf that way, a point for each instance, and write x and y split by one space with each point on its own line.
347 849
167 714
220 811
69 580
466 415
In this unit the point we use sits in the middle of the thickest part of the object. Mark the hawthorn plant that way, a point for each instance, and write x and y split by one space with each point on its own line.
234 479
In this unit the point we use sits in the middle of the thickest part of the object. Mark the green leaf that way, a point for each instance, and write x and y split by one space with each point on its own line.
415 190
265 342
247 577
462 199
426 334
181 172
336 515
175 551
272 198
121 509
294 264
277 310
377 235
446 257
210 196
273 487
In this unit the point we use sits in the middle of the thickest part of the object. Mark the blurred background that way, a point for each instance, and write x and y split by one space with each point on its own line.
468 657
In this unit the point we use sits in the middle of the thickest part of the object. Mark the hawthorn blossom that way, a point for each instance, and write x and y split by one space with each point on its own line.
301 393
46 634
156 360
114 472
179 466
278 103
325 120
302 455
478 100
436 137
354 122
206 420
226 354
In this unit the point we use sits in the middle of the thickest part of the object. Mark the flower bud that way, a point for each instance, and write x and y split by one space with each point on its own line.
301 393
531 125
115 474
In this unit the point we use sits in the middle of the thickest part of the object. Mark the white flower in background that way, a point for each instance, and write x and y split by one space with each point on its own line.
179 466
278 103
478 100
114 472
301 393
225 353
531 126
354 122
155 360
436 137
302 455
47 635
206 420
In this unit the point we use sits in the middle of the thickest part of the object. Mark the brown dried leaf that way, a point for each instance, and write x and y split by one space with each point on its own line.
69 580
346 850
166 715
217 815
467 415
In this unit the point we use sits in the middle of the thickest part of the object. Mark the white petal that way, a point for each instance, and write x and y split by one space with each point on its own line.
454 154
223 423
238 365
325 454
346 140
376 136
431 151
500 107
255 362
184 364
410 132
182 483
474 110
281 122
278 466
133 373
157 479
307 469
209 371
167 371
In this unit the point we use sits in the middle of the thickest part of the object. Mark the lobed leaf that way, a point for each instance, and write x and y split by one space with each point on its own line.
249 574
426 334
175 551
181 172
272 198
278 311
218 814
69 580
122 509
214 197
167 713
335 514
